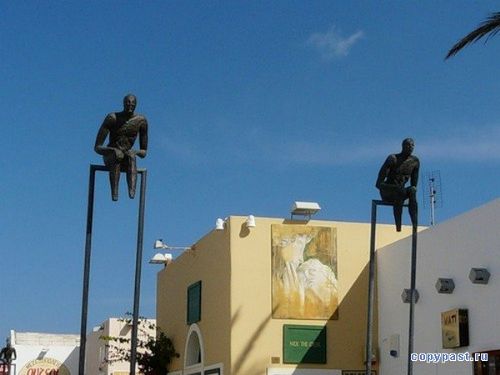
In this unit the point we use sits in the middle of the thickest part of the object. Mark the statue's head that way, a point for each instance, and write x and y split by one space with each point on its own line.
407 146
129 103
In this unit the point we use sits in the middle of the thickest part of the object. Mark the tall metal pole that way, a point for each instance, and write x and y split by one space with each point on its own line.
432 196
413 294
138 264
86 271
371 288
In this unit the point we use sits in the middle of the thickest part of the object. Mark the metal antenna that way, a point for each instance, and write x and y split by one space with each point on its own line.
433 196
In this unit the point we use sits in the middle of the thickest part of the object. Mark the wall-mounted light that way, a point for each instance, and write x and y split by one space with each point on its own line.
159 244
42 353
220 223
98 328
160 258
445 286
304 209
250 222
479 275
406 296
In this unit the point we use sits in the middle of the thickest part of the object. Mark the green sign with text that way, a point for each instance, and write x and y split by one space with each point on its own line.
304 344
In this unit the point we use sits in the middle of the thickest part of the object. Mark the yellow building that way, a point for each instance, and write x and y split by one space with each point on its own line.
283 297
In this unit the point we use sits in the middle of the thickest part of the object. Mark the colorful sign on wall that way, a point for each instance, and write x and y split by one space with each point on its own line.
45 366
455 328
304 272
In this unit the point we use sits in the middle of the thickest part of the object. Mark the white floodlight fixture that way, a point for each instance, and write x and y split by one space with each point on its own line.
220 223
160 258
159 244
305 209
250 222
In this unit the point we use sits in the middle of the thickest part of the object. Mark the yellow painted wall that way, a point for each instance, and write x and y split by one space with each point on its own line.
235 268
256 337
209 262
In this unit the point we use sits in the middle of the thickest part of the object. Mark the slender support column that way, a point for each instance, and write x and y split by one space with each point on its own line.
86 271
412 300
138 264
371 288
86 268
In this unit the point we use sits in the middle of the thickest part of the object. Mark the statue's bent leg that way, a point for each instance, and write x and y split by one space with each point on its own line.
392 194
131 175
114 175
412 205
397 208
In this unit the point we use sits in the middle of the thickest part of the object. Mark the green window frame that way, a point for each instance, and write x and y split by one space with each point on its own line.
194 303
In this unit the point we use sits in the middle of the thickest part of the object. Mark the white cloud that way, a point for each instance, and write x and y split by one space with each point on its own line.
464 148
478 144
256 146
315 152
332 45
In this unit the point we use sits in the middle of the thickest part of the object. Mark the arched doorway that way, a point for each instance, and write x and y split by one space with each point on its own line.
194 351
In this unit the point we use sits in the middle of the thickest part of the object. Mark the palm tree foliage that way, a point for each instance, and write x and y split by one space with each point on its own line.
490 27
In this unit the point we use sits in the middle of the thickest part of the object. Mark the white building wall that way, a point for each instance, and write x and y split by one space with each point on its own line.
96 351
447 250
32 345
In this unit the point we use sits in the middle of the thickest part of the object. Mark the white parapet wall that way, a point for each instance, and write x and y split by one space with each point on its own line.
447 250
45 351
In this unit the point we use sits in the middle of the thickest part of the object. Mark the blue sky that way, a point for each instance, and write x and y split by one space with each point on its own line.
251 104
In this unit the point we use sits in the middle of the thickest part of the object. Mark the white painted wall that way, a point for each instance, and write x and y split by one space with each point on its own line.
116 327
447 250
29 346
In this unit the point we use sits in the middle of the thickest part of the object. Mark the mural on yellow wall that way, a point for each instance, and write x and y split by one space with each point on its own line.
304 272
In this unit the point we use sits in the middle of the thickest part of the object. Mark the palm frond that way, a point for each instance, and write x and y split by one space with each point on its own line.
490 26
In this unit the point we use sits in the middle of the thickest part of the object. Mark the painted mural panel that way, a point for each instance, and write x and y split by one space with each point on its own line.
304 272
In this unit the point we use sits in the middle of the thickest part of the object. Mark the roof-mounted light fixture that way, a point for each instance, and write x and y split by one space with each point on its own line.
250 221
166 259
160 258
159 244
306 209
220 223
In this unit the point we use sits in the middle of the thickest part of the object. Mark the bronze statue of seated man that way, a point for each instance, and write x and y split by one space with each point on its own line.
119 156
396 171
